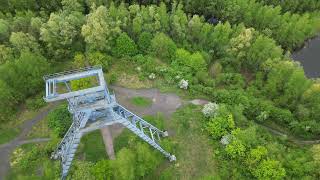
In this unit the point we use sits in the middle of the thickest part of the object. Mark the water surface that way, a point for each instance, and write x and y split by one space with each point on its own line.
309 57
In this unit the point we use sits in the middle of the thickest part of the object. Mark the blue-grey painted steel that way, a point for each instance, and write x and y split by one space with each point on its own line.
94 108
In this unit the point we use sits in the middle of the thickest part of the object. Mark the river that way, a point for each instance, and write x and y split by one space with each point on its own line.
309 57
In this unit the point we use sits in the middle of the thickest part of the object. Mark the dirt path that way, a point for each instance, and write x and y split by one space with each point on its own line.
26 127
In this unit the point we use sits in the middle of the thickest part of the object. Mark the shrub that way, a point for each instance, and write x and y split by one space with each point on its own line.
210 110
59 120
102 170
144 42
35 103
220 126
112 78
163 47
232 80
235 149
188 63
183 84
98 58
125 46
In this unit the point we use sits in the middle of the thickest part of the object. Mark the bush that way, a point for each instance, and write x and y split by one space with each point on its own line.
188 63
210 110
97 58
220 126
35 103
125 46
163 47
102 170
59 120
144 42
112 78
231 80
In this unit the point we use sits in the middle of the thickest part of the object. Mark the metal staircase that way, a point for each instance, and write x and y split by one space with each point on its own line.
94 108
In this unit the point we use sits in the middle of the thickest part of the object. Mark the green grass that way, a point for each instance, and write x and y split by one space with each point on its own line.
40 130
192 148
7 134
141 101
92 147
10 130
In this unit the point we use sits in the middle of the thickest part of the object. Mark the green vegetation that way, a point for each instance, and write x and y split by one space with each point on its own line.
141 101
7 134
92 147
242 64
59 120
295 6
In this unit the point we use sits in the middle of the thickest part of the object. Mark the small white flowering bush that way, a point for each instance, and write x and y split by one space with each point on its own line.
225 140
183 84
138 68
210 110
152 76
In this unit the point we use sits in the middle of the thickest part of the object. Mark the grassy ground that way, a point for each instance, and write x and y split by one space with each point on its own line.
8 134
11 129
92 147
127 76
141 101
40 130
192 148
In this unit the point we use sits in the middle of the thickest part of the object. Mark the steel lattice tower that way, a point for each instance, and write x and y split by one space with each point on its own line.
94 108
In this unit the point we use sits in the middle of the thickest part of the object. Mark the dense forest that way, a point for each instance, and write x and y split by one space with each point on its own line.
241 64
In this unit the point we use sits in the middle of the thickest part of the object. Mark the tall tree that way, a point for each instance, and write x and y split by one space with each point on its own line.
98 33
24 42
62 30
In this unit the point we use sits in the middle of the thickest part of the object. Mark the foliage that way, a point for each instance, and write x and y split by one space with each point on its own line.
6 54
61 31
15 75
24 42
102 170
7 102
35 103
163 47
188 63
245 67
7 134
124 164
4 30
144 42
59 120
220 126
295 6
235 149
289 30
269 169
81 171
124 46
103 27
